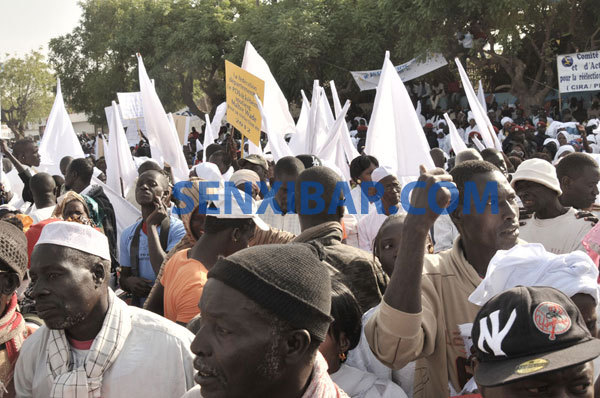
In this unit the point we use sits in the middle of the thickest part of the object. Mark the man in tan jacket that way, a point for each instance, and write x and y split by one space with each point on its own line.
427 297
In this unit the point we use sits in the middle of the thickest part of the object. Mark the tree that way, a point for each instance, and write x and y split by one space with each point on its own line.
520 39
183 44
26 91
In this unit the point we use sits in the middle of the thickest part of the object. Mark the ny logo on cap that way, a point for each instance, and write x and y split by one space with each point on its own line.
494 340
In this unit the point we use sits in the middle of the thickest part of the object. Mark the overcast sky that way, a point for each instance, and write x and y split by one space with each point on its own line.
26 25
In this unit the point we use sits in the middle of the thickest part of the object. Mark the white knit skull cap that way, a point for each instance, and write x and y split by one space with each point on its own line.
76 236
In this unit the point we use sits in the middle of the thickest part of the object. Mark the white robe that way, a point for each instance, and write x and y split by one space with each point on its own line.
155 362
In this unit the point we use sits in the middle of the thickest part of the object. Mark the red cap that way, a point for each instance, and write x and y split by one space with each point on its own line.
428 126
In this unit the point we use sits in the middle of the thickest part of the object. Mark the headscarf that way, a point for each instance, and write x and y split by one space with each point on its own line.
561 150
90 205
244 175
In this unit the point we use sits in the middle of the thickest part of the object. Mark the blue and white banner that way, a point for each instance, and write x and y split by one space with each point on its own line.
368 80
578 72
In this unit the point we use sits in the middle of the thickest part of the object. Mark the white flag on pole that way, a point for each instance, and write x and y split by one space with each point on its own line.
163 138
490 140
59 139
395 136
275 105
120 168
457 143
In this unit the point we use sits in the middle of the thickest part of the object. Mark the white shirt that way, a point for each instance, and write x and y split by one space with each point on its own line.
38 215
357 199
155 362
363 358
368 227
360 384
288 222
444 233
559 235
227 175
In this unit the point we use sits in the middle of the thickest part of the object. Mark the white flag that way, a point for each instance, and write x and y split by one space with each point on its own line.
163 138
484 125
120 168
395 136
59 139
274 104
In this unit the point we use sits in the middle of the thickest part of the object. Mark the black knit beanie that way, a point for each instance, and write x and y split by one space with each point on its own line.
288 280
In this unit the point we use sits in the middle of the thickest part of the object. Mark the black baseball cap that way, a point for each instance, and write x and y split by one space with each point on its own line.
526 331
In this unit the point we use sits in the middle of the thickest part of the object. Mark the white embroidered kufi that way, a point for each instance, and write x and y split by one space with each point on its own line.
381 172
76 236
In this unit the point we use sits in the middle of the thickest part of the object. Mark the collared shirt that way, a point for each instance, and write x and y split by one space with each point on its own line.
288 222
176 232
155 362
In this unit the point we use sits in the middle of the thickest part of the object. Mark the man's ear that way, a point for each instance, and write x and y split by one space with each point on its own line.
565 182
9 283
99 273
344 343
296 345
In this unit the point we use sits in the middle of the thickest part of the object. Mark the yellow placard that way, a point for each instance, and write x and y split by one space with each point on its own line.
242 110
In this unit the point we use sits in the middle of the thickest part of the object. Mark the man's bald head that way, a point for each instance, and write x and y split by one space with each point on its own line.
319 181
64 164
42 187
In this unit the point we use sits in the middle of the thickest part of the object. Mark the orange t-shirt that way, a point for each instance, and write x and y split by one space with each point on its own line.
183 281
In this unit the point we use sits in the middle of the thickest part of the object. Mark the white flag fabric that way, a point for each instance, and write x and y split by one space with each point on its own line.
333 150
313 116
478 143
457 143
395 136
481 97
120 168
163 138
277 144
125 213
490 140
349 149
275 105
297 142
59 139
218 119
209 137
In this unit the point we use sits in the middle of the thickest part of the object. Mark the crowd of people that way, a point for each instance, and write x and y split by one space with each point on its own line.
497 297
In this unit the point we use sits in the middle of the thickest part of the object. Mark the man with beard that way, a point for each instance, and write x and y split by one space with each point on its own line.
389 204
265 311
427 297
92 343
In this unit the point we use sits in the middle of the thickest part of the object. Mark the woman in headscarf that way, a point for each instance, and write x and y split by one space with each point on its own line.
78 207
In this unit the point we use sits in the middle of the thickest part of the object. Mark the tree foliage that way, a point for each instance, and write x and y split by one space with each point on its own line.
26 86
182 43
185 42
